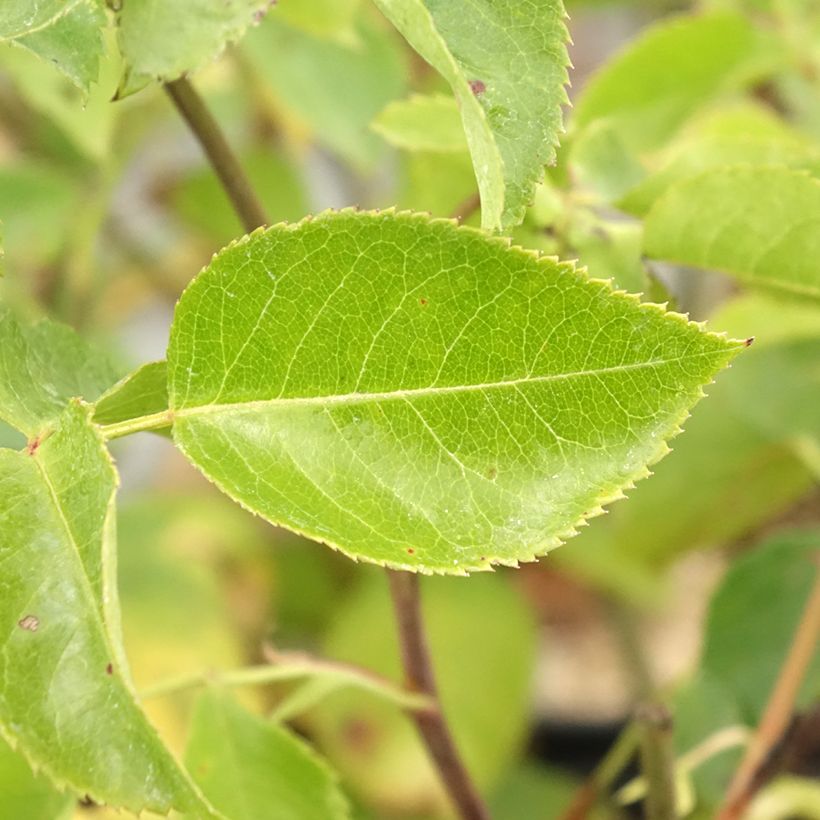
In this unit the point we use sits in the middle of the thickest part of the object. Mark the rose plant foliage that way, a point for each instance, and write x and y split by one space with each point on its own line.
411 391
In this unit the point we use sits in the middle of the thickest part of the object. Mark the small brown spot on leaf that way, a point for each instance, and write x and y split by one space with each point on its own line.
477 87
359 736
492 472
31 447
423 302
31 623
109 670
748 342
411 551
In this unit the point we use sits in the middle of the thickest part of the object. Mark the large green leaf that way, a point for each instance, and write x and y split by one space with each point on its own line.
420 395
252 769
164 39
41 367
374 745
65 33
507 65
753 616
761 225
647 92
65 696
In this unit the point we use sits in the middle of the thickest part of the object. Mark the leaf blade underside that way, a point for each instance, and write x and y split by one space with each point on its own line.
420 395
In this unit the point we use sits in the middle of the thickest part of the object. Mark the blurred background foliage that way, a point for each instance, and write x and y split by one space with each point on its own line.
108 210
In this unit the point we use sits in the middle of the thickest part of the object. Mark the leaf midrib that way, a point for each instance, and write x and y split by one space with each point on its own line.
415 392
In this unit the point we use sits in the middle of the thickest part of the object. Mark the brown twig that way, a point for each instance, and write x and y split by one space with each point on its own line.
419 677
207 131
778 713
466 208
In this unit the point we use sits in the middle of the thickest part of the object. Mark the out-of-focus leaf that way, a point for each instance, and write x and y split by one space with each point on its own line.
333 89
27 795
388 421
744 134
201 201
42 366
761 225
63 677
753 616
64 33
164 39
374 745
435 183
788 797
647 92
176 613
36 203
507 66
535 792
252 769
422 123
323 18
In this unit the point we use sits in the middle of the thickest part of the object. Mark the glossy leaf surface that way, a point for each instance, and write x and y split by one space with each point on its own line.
761 225
420 395
507 65
65 698
252 769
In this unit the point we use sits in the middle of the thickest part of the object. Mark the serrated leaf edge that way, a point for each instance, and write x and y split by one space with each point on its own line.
610 494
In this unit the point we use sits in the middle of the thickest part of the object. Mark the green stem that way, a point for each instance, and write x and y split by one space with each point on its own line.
153 421
292 667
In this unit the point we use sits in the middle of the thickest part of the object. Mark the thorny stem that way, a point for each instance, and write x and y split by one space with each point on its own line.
206 129
419 677
779 708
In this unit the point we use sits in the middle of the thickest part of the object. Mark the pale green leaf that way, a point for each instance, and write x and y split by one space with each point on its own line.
331 90
507 65
420 395
753 616
64 33
437 183
26 795
376 746
743 134
65 699
761 225
41 367
253 769
422 123
647 92
323 18
140 393
164 39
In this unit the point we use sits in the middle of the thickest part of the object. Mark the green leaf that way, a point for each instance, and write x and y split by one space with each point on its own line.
753 616
472 408
374 745
507 65
422 123
647 92
62 673
141 393
322 18
41 367
744 134
66 34
251 768
437 183
331 90
761 225
164 39
28 795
